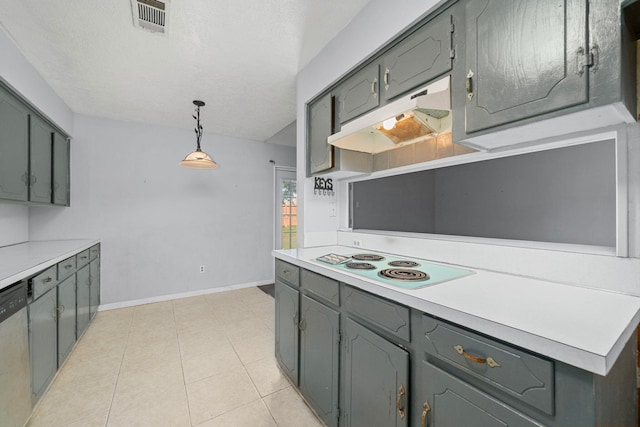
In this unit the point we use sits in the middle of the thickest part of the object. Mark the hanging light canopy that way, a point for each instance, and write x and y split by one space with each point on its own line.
198 159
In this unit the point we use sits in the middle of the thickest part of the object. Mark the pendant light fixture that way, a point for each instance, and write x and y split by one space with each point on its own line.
198 159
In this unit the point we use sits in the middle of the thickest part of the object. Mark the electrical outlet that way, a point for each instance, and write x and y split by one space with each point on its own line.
357 242
332 209
202 269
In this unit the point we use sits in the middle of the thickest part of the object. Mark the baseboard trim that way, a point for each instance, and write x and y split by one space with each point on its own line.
133 303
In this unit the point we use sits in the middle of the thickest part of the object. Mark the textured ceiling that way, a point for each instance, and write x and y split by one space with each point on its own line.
239 56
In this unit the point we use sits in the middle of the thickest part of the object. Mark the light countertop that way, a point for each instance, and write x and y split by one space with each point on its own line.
583 327
22 260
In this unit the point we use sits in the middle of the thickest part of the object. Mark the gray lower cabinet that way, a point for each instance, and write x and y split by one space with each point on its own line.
320 125
319 358
43 342
94 286
83 315
376 380
422 56
451 402
287 308
524 59
14 148
60 170
361 360
66 317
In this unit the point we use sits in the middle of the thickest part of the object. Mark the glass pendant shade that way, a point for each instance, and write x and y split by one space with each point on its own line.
198 159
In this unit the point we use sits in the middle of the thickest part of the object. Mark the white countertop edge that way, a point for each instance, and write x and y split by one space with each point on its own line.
71 247
599 364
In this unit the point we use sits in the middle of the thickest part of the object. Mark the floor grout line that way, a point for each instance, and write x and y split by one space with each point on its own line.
115 388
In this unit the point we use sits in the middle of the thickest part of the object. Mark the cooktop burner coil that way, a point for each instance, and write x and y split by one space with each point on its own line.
404 264
360 266
404 274
367 257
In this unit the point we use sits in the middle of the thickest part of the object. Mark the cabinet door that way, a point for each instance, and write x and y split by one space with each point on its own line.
40 144
14 148
320 128
66 317
94 290
84 298
359 93
43 342
60 170
424 55
524 58
452 402
286 333
376 380
319 358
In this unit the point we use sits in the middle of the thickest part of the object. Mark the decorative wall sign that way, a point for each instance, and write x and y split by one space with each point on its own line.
323 187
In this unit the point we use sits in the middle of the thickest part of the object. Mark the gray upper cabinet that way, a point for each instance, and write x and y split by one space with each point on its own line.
320 153
376 380
523 59
286 329
319 358
359 94
34 156
40 161
422 56
14 148
60 170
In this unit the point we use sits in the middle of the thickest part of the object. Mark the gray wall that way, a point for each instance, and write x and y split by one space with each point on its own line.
565 195
159 222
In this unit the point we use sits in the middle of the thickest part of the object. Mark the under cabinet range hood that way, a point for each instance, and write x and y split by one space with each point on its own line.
423 114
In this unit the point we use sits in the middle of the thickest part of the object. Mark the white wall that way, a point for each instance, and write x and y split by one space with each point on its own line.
379 22
16 71
159 222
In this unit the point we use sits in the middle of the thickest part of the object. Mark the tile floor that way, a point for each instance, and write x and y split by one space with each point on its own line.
202 361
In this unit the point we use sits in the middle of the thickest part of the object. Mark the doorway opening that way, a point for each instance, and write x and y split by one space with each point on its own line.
286 203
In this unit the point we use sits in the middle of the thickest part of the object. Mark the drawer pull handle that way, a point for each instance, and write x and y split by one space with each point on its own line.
287 272
47 280
387 72
303 324
83 257
374 88
489 360
67 267
400 401
469 85
425 410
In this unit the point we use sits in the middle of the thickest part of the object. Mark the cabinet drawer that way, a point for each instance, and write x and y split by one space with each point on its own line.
516 372
82 258
66 267
44 281
94 251
453 402
386 315
288 272
323 287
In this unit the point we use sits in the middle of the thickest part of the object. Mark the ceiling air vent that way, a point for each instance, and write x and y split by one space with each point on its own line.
150 14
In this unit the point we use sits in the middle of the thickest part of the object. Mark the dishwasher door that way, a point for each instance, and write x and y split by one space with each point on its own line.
15 376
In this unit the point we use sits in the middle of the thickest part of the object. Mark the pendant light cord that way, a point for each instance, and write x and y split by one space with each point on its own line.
198 128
